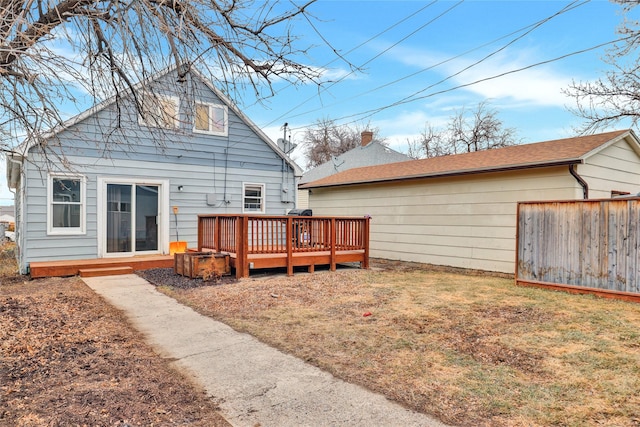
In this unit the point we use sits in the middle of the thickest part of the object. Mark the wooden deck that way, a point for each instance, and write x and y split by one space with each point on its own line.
252 242
256 242
93 267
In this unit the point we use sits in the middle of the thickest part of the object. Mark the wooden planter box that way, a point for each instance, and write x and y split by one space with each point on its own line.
192 264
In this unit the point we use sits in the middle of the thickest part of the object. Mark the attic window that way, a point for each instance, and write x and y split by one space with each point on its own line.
210 118
159 111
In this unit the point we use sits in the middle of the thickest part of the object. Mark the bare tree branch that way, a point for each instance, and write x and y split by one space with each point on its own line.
53 51
327 139
616 96
466 131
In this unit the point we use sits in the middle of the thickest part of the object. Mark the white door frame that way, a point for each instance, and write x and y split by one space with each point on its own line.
163 212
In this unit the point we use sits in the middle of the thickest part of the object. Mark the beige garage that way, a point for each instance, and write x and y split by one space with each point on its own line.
460 210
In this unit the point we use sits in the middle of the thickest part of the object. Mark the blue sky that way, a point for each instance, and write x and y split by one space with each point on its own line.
435 42
412 55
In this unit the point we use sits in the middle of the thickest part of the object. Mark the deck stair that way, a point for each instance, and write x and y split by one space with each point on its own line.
103 266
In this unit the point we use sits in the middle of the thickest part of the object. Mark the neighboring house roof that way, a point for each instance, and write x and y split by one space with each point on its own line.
27 144
374 153
549 153
7 210
7 218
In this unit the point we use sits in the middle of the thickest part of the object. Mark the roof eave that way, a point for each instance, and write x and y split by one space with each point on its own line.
564 162
627 135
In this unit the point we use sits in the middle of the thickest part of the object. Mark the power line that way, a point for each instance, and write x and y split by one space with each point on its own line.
324 89
527 30
495 52
372 112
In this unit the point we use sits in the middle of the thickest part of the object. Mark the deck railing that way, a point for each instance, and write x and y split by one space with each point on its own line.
245 235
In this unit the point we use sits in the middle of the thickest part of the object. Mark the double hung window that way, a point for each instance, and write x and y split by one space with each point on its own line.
253 198
66 205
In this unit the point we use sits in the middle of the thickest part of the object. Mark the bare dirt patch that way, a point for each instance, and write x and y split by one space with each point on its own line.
67 358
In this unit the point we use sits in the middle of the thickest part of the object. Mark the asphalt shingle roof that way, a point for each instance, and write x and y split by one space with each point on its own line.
547 153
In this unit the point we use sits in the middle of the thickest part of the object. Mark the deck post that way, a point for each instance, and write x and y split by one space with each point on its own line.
200 233
241 255
367 227
333 245
289 238
217 234
245 244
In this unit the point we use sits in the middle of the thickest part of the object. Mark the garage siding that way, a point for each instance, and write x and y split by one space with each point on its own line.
467 221
615 168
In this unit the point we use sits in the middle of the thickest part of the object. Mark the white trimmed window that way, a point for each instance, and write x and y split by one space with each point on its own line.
211 119
66 204
253 198
159 111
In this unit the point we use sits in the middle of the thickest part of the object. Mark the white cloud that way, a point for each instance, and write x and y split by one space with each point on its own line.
541 85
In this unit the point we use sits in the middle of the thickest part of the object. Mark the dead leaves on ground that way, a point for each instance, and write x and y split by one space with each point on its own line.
70 359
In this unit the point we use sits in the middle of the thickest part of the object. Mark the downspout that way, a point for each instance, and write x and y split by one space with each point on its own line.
20 205
11 171
581 181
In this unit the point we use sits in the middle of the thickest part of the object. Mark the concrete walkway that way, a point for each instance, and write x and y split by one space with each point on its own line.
253 383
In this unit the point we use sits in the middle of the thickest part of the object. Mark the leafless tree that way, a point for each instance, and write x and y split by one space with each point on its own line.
59 52
466 131
429 143
616 96
327 139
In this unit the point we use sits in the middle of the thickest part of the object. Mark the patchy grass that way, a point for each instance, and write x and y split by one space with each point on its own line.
471 350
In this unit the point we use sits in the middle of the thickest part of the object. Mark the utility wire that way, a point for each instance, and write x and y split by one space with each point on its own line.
325 88
350 50
495 52
407 100
529 27
527 30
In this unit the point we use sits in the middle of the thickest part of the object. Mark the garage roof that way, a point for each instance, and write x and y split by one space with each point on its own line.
542 154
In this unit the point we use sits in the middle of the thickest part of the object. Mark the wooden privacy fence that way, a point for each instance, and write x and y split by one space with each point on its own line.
262 241
585 246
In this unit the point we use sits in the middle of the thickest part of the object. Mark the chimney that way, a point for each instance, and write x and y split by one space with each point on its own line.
367 137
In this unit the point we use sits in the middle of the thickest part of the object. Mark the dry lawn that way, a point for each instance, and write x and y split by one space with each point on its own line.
471 350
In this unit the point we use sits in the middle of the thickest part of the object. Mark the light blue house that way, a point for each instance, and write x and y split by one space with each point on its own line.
117 181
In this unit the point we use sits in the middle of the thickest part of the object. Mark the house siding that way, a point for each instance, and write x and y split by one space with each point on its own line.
202 164
465 221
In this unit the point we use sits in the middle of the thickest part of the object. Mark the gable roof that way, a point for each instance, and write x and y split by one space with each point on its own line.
542 154
371 154
27 144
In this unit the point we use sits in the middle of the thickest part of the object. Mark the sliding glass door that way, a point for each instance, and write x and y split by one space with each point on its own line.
132 218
